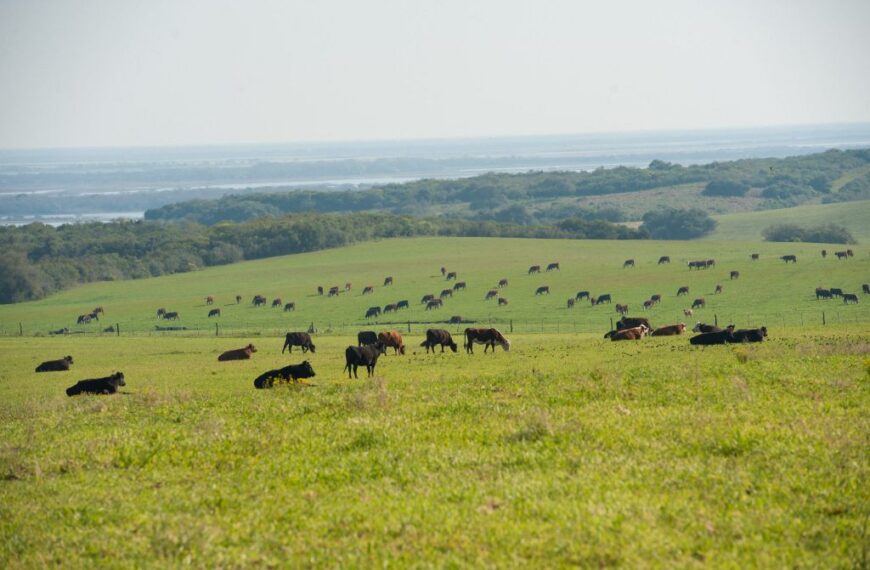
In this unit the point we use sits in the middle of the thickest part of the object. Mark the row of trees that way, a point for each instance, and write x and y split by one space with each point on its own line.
827 233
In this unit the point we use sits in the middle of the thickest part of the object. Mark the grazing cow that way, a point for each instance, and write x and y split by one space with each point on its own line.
320 290
368 290
735 275
107 385
426 298
534 269
259 300
850 253
622 309
83 319
61 365
688 312
402 305
684 290
841 254
365 338
451 275
502 302
628 263
544 289
865 288
171 316
438 337
373 312
717 290
553 266
748 335
850 298
277 302
209 300
367 356
714 337
238 299
571 302
582 295
664 259
656 298
455 319
754 257
238 354
503 282
491 294
823 293
635 333
392 339
669 330
791 258
647 304
605 298
99 310
704 328
214 313
459 286
300 339
390 308
443 271
824 253
333 291
160 312
699 303
388 281
292 372
109 329
836 292
711 262
434 304
488 337
347 287
632 322
290 307
446 293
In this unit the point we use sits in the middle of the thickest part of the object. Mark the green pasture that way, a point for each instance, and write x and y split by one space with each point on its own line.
768 291
747 226
568 450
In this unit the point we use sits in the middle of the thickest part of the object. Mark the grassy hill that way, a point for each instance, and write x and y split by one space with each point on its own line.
747 226
767 291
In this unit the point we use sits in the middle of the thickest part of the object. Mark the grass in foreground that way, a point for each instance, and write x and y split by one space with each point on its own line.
567 450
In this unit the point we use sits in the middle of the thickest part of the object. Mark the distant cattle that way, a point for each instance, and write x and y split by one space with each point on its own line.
438 337
434 304
699 303
571 302
717 290
491 294
171 316
333 291
239 299
238 354
684 290
553 267
621 309
836 292
850 253
628 263
426 298
109 329
605 298
368 290
754 257
209 300
388 281
850 298
390 308
748 335
459 286
373 312
402 305
61 365
365 338
824 253
789 258
443 271
107 385
701 264
669 330
98 310
664 259
823 293
392 339
446 293
656 298
841 255
714 337
258 300
503 282
647 304
320 290
455 319
735 275
487 337
704 328
632 322
502 302
83 319
688 312
534 269
543 290
289 307
292 372
348 286
451 275
356 356
635 333
865 288
214 313
582 295
300 339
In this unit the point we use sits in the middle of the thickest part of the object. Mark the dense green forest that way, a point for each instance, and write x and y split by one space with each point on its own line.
37 259
509 198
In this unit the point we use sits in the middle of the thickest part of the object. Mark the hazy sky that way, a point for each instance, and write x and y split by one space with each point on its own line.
152 72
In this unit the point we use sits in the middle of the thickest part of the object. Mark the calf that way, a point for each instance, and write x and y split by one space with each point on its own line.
214 313
850 298
293 372
571 302
688 312
438 337
300 339
367 356
669 330
107 385
365 338
238 354
392 339
717 290
61 365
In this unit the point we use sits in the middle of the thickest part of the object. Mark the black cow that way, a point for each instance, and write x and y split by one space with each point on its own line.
719 337
107 385
171 316
791 258
664 259
542 290
290 307
628 263
704 328
64 330
446 293
301 339
61 365
367 356
836 292
436 337
288 373
402 305
426 298
553 266
214 313
684 290
735 275
373 312
748 335
366 338
452 275
632 322
865 288
605 298
503 282
459 286
823 293
754 257
582 295
850 298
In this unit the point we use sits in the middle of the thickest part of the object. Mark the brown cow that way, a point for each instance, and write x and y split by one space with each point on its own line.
239 299
348 286
238 354
621 309
390 308
392 339
571 302
487 337
635 333
277 302
368 290
688 312
443 271
209 300
320 290
426 298
669 330
717 290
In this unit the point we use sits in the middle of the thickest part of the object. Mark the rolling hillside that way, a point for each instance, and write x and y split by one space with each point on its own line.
747 226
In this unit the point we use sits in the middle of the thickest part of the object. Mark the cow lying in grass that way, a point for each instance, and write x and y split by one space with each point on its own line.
635 333
294 372
238 354
669 330
730 335
107 385
61 365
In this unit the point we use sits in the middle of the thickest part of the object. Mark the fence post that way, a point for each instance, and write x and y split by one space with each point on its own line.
117 329
409 326
715 319
611 323
823 318
512 325
216 329
20 330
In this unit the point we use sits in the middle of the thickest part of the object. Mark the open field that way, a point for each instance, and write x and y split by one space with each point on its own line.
567 450
747 226
767 292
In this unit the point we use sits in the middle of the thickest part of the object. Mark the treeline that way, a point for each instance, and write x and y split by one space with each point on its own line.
508 197
37 259
827 233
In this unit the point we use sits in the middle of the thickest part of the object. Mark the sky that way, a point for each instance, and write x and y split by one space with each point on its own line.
109 73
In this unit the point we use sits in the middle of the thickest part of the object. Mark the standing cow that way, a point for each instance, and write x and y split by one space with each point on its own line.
300 339
367 356
438 337
392 339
